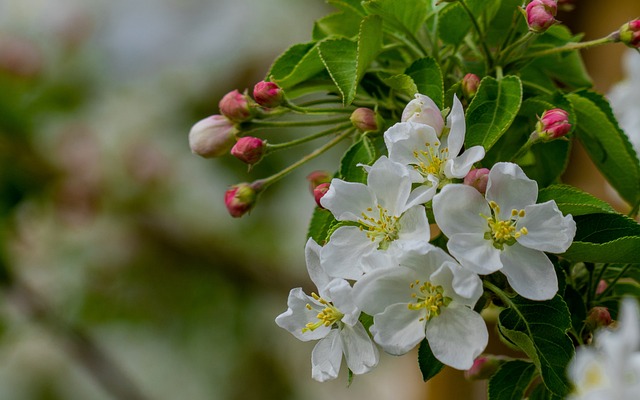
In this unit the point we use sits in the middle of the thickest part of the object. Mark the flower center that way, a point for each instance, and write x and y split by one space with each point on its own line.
382 227
431 161
503 232
429 297
327 317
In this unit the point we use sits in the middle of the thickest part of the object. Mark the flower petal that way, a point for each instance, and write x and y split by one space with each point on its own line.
510 188
460 166
459 208
414 225
548 229
475 252
423 110
423 193
398 329
378 289
529 272
316 272
359 351
326 357
342 256
391 185
457 336
466 284
339 292
347 200
298 316
457 127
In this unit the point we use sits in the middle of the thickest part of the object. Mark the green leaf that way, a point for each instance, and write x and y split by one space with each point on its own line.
297 64
511 380
607 146
361 152
320 225
540 392
354 6
608 238
341 23
399 15
401 83
502 20
492 110
576 305
453 24
427 76
539 329
347 61
571 200
430 366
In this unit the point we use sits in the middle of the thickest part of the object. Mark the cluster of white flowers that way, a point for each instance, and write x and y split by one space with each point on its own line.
611 368
380 262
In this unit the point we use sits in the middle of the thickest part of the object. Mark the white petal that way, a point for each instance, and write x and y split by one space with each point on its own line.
529 272
316 272
466 284
326 357
414 225
342 256
475 252
339 292
460 166
381 259
347 200
403 139
398 329
298 315
510 188
423 193
359 351
548 229
377 290
459 209
391 185
456 124
423 110
457 336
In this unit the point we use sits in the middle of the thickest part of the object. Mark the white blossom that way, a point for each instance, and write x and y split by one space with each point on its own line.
505 230
427 294
331 317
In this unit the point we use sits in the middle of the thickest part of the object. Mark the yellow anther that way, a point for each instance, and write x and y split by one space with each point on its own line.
430 298
521 213
327 317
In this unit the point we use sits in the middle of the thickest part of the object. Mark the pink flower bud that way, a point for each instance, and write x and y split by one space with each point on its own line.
470 84
212 136
316 178
423 110
553 124
268 94
630 33
364 119
540 15
235 106
602 286
478 178
319 192
484 367
240 199
249 149
598 317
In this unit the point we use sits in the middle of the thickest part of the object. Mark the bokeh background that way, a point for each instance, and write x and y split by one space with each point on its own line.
122 275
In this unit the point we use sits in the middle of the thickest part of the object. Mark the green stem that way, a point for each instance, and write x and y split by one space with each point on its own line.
634 211
499 292
487 53
521 41
415 50
289 124
274 147
523 150
614 281
309 110
264 183
572 46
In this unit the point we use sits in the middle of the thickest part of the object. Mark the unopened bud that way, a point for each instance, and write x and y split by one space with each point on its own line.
484 367
319 192
364 119
316 178
268 94
540 15
602 286
478 178
598 317
235 106
423 110
240 199
630 33
470 84
249 149
552 125
212 136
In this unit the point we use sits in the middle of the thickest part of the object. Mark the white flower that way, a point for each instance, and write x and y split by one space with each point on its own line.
423 110
625 97
430 152
427 295
332 317
611 368
505 231
386 212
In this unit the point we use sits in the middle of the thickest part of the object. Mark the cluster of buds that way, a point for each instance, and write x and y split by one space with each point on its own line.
630 33
551 125
541 15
